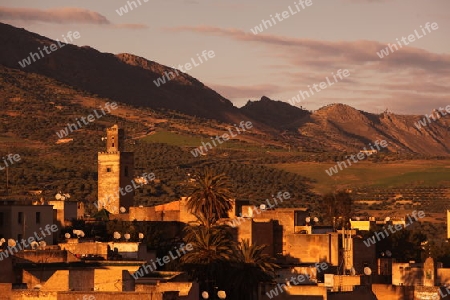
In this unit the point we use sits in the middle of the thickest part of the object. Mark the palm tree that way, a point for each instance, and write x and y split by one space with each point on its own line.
210 198
212 251
252 267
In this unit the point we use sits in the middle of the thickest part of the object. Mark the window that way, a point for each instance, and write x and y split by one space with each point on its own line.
19 237
126 171
1 219
38 217
20 217
108 170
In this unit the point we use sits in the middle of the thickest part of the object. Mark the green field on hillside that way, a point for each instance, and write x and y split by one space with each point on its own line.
384 175
186 140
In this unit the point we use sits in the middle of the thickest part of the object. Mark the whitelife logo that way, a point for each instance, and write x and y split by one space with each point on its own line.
162 261
90 118
294 281
378 236
411 38
435 116
53 47
48 230
108 199
319 87
12 158
255 210
170 75
220 139
265 24
124 9
361 155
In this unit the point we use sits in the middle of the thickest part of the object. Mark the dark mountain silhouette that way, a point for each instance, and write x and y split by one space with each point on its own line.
123 77
129 79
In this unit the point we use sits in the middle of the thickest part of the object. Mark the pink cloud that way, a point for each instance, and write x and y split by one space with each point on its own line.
54 15
62 15
335 54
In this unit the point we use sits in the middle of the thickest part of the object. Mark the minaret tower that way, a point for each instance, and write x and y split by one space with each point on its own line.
115 172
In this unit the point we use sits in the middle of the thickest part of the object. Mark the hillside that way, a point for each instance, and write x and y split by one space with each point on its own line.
276 114
129 79
35 107
339 127
123 77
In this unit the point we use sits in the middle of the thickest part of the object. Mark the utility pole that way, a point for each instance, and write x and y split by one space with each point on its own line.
7 181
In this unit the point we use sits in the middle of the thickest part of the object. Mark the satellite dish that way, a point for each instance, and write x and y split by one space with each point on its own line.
316 219
123 209
58 196
262 207
67 235
141 235
37 287
117 235
63 198
78 233
388 253
308 219
387 219
67 195
205 295
127 236
367 271
352 271
42 244
358 218
34 245
222 294
104 138
11 243
141 205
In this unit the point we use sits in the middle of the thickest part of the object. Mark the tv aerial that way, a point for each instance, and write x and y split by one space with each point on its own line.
117 235
34 245
42 244
78 233
11 243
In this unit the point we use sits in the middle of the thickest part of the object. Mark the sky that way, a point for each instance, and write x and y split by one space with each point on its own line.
302 46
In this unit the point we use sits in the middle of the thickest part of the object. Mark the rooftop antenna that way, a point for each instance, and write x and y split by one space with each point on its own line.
127 236
7 181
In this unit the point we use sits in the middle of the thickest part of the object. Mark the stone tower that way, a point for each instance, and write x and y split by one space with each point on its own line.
115 173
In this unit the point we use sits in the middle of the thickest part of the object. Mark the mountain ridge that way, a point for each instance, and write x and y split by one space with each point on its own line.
129 79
